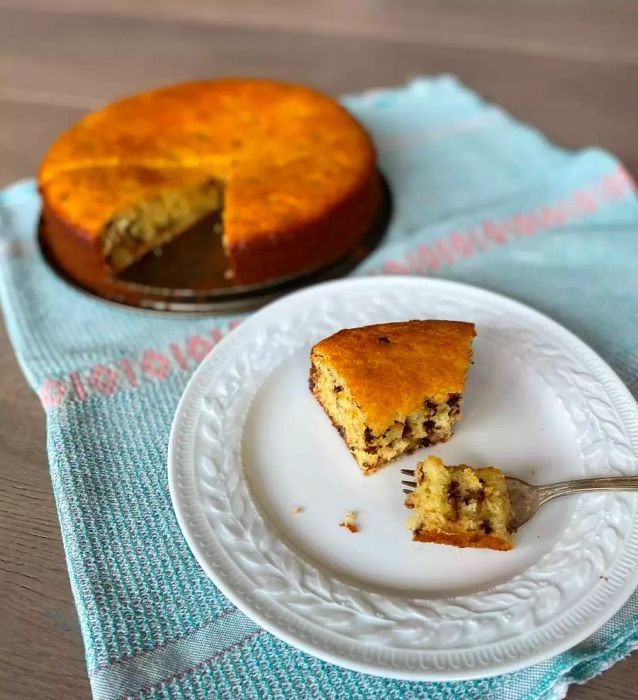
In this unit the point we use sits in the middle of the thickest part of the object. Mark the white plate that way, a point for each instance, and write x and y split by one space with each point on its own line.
249 443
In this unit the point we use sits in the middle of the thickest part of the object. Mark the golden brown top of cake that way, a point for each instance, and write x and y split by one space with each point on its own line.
391 367
112 189
285 154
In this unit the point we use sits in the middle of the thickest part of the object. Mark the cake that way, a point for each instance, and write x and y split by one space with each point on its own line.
460 506
292 171
394 387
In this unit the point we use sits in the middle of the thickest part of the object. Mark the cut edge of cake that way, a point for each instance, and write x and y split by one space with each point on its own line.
151 222
460 506
430 425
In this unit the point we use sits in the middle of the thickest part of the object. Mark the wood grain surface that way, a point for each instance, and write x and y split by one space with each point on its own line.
569 67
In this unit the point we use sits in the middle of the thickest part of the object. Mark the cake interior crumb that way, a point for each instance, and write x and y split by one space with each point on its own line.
297 509
459 504
432 423
150 223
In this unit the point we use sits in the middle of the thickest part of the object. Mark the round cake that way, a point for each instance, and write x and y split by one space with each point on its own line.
293 173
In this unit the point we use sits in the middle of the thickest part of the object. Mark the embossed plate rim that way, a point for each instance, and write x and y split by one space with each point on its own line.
279 617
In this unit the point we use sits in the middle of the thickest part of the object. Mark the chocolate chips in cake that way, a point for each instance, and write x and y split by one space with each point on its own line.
460 506
394 387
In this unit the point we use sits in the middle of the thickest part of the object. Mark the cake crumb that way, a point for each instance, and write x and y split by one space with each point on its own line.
604 578
297 509
349 522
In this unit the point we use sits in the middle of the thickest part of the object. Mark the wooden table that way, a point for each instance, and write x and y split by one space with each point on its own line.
570 67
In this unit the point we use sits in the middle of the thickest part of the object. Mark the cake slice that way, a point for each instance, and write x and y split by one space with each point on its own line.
391 388
460 506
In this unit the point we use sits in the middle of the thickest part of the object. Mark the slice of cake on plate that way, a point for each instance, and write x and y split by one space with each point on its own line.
393 387
460 506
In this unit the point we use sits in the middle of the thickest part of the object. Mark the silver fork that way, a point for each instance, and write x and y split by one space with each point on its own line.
526 498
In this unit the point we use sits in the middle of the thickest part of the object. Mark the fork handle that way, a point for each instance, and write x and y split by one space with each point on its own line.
605 483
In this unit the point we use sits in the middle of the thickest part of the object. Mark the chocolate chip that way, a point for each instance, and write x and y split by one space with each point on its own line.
425 442
372 450
313 377
407 431
453 400
338 388
367 435
384 340
431 405
429 425
453 497
486 527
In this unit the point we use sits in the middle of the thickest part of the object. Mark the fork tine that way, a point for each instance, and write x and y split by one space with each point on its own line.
409 483
408 491
408 472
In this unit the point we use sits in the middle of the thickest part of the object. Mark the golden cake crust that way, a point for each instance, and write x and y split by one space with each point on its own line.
380 364
476 540
298 171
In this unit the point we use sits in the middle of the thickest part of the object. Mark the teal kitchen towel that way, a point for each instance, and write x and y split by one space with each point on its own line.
478 197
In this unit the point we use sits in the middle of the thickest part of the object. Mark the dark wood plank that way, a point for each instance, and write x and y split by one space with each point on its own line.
40 646
28 128
578 28
574 102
